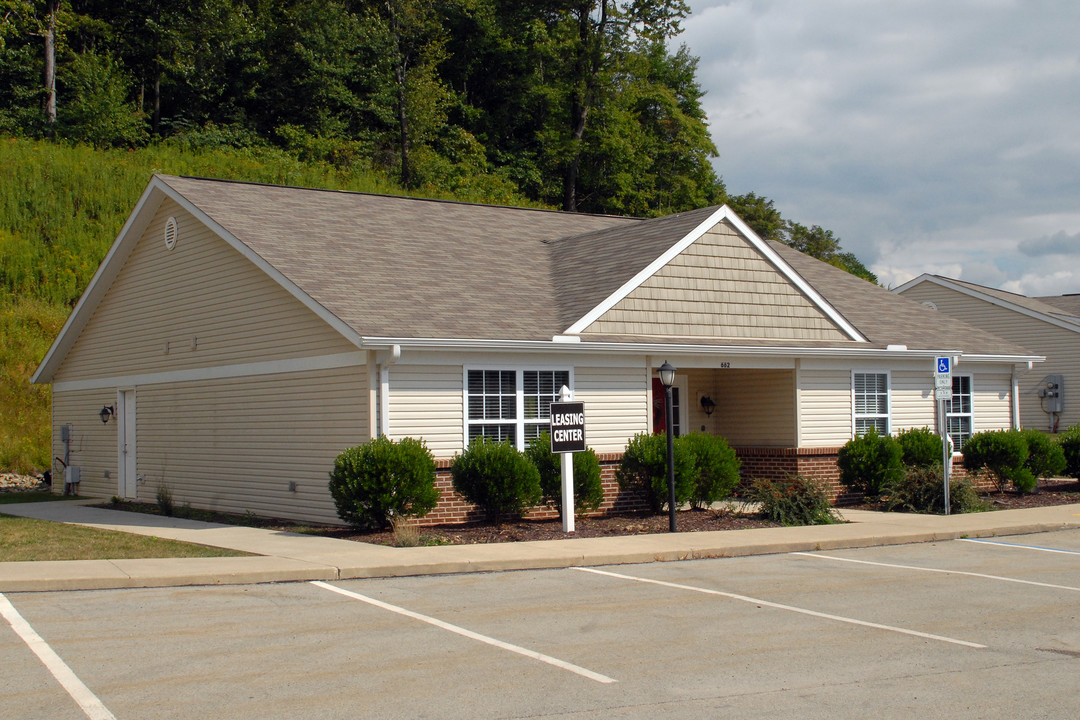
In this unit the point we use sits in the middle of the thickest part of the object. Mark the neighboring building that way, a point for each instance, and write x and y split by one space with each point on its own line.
238 336
1049 326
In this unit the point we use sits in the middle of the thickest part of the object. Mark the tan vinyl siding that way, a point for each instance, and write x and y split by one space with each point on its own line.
825 404
1061 347
426 403
93 445
615 405
911 399
754 408
235 444
198 305
990 401
718 287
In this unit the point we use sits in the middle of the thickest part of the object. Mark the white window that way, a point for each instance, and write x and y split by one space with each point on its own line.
871 402
512 405
958 412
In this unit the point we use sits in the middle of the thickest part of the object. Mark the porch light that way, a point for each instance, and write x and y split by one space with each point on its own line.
667 379
707 405
107 412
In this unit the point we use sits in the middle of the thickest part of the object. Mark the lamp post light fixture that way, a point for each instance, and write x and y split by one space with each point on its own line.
667 379
107 412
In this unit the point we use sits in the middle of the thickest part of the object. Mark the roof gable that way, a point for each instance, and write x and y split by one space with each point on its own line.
1044 309
661 242
720 286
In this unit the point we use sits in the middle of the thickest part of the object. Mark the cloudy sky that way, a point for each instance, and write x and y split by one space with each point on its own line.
934 136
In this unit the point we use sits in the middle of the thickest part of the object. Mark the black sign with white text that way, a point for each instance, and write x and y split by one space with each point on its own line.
567 427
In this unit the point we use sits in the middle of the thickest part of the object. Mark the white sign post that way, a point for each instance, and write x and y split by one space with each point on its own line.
943 392
567 438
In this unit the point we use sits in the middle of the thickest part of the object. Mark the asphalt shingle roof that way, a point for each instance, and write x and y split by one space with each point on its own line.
406 267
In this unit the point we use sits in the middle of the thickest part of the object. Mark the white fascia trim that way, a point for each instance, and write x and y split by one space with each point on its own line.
134 226
268 367
971 292
1013 359
723 213
374 343
289 286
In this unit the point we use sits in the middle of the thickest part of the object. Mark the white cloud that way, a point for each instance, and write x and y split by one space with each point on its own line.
929 136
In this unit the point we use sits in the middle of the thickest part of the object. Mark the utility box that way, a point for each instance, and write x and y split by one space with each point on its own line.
72 476
1052 393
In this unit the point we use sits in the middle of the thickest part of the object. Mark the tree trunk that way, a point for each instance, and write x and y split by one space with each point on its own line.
402 108
589 60
51 8
156 121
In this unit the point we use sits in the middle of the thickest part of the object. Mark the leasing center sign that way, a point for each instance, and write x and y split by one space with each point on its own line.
567 427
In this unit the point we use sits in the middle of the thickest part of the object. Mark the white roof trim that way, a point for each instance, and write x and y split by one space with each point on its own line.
592 347
723 213
156 191
985 297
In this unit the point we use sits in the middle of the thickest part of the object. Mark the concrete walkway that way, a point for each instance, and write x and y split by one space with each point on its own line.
284 557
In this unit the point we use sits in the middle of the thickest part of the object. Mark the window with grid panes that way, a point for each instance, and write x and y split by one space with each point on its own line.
958 417
512 405
871 402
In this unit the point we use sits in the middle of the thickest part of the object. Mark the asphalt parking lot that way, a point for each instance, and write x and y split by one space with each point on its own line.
959 629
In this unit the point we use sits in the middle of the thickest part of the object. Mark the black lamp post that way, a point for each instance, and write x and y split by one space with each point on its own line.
667 379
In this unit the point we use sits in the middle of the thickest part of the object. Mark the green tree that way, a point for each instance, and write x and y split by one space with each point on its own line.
99 112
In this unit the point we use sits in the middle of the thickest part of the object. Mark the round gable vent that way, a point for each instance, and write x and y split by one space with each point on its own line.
170 233
930 304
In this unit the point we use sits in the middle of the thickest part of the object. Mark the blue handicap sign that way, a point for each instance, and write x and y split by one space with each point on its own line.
943 365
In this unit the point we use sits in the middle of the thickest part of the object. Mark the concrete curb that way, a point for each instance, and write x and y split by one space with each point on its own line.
287 557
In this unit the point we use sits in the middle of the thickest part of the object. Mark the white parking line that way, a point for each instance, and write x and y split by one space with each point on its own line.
1019 546
790 608
577 669
88 701
936 570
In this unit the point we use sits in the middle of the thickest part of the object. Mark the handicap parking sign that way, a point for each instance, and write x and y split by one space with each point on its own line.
943 366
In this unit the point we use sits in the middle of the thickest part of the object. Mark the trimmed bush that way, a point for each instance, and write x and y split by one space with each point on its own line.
588 489
920 447
717 468
376 483
1003 453
498 479
923 491
1045 457
1069 442
795 500
870 463
644 466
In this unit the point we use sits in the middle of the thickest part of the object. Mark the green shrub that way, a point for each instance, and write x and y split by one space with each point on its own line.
923 491
1003 453
165 500
795 500
1069 442
920 447
644 467
716 468
376 483
1045 457
588 489
496 478
870 463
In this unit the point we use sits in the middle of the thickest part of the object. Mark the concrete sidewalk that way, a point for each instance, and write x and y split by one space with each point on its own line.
284 557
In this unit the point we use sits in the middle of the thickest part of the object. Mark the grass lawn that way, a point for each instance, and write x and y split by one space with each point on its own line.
9 498
26 539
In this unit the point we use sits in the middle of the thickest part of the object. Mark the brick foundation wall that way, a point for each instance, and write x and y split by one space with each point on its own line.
771 463
454 509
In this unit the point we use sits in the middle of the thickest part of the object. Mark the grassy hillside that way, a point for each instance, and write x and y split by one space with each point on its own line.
61 207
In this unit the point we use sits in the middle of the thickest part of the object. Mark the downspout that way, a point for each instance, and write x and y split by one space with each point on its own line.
1014 398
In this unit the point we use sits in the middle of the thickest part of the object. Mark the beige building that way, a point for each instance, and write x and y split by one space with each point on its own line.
238 336
1049 326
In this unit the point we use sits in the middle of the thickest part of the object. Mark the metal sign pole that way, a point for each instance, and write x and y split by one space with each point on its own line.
946 455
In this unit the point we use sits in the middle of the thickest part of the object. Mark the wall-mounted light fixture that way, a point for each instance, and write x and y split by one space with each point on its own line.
107 412
707 405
